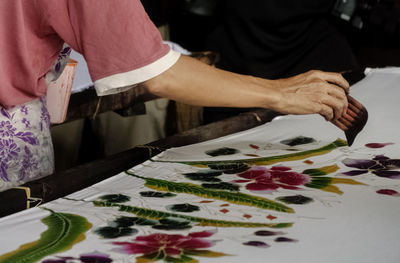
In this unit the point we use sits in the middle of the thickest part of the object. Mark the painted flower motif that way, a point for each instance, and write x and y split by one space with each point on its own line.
94 257
3 171
263 179
8 150
6 129
24 109
166 247
45 117
381 166
29 164
26 122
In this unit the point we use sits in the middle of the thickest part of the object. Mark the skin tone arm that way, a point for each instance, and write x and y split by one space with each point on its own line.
193 82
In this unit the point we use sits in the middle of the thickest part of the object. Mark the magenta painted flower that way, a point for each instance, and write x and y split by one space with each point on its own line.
160 246
380 165
263 179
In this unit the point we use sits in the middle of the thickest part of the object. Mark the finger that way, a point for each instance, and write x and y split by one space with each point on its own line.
336 105
326 112
336 79
338 93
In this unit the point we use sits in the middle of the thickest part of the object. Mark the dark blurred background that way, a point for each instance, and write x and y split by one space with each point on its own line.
372 27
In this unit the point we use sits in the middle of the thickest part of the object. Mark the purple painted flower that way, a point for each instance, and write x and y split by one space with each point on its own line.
381 166
24 109
94 257
29 164
45 117
27 137
8 150
26 122
6 129
59 260
3 171
6 114
259 244
285 239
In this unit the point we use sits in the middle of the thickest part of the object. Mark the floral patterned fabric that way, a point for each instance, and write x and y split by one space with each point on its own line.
257 198
26 150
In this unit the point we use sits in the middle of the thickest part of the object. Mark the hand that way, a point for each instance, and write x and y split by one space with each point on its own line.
314 92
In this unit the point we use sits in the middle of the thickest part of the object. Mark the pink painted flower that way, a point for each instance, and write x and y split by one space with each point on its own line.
263 179
170 245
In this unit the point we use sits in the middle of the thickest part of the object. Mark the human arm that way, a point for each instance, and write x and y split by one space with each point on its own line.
195 83
122 48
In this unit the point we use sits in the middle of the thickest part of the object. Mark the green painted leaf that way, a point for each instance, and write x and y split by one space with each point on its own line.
158 215
173 224
117 198
321 171
229 167
222 151
298 141
185 208
204 253
126 221
64 231
181 259
222 186
153 257
114 232
232 197
156 194
204 176
273 159
319 182
295 199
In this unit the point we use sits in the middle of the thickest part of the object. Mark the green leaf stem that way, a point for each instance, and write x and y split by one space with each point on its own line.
155 214
231 197
64 231
272 159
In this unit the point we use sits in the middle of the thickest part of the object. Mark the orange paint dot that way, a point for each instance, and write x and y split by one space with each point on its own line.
206 201
271 217
247 216
308 162
224 211
224 205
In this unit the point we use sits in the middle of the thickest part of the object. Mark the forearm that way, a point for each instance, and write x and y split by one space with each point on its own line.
196 83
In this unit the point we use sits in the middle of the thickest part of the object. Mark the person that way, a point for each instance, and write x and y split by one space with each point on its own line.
122 48
277 39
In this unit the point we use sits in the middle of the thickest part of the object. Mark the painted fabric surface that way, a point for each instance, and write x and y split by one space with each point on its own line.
26 150
287 191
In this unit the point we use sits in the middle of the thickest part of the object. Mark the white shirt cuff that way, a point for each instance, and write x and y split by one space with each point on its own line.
124 81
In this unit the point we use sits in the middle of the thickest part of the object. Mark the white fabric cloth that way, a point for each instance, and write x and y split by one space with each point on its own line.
336 218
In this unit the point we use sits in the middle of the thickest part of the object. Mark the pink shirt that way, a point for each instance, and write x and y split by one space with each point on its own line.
115 37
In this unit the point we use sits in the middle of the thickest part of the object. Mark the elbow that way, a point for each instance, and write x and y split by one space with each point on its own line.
156 87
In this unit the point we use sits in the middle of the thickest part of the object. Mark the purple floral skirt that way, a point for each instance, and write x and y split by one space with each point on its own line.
26 150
